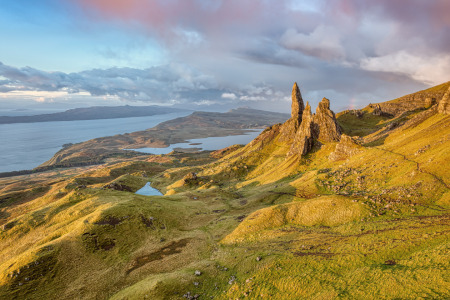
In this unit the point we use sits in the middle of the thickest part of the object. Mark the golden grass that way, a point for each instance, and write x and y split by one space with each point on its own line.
315 244
322 211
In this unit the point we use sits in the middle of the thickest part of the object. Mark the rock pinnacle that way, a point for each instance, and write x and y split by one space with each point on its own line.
297 104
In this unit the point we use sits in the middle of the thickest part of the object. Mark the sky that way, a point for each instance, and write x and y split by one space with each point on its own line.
219 54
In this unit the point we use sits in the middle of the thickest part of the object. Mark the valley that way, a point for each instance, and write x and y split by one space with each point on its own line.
353 205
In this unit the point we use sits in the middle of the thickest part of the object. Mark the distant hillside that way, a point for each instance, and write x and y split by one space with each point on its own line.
93 113
417 100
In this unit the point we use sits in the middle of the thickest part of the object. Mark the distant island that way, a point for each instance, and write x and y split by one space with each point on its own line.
93 113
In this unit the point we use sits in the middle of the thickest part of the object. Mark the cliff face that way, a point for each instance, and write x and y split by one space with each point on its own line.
418 100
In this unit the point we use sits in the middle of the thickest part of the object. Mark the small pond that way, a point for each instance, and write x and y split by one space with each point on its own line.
147 190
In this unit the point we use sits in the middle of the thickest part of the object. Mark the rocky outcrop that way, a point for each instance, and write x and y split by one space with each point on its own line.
377 110
326 128
346 148
429 102
304 140
297 104
419 100
118 187
190 177
303 128
291 126
444 104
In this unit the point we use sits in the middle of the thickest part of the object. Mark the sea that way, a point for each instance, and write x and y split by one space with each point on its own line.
24 146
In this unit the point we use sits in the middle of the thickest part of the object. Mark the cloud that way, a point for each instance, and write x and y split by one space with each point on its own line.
323 42
215 52
152 84
231 96
430 69
296 34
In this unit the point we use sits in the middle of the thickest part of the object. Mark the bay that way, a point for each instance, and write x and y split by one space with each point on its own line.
24 146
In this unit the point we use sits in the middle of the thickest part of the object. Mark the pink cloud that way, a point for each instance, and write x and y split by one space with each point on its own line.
163 16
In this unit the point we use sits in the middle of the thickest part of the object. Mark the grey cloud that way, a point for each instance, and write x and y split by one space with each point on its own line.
323 42
167 84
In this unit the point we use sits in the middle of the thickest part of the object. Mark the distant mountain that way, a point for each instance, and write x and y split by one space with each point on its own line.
93 113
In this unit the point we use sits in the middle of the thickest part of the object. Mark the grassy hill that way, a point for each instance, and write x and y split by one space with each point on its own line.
363 218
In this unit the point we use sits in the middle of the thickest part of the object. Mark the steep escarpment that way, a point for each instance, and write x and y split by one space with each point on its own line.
418 100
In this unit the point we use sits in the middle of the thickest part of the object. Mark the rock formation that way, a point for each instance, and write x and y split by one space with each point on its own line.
304 140
414 101
297 104
325 128
347 147
377 110
430 102
321 126
303 130
291 126
444 104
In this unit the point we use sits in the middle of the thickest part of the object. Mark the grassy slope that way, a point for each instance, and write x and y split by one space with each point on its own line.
374 226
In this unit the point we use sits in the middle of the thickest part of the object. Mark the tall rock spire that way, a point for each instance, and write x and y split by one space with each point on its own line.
291 126
297 104
304 140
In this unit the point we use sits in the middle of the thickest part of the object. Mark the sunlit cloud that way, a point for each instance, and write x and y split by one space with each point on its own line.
431 70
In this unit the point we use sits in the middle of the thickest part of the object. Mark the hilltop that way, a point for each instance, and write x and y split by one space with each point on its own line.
353 205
